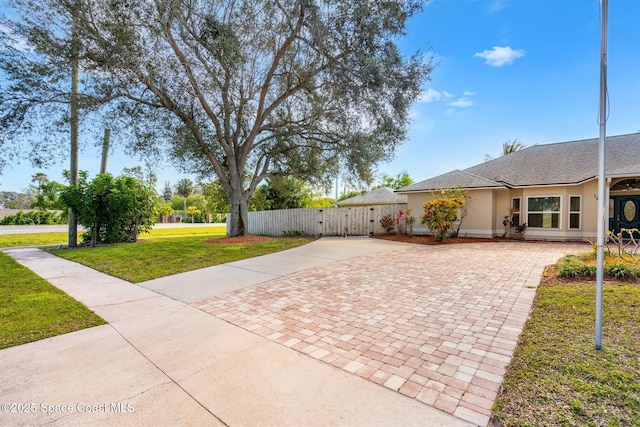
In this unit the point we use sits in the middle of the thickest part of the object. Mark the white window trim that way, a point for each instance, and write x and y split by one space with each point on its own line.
559 211
579 212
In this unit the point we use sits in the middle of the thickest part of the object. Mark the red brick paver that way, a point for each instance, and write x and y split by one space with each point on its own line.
436 323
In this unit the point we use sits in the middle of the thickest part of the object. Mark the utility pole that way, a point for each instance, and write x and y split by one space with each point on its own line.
603 205
74 122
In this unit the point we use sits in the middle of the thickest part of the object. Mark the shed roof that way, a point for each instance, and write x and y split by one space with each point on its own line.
379 196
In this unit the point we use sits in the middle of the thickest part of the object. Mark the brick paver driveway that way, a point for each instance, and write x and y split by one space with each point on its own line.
436 323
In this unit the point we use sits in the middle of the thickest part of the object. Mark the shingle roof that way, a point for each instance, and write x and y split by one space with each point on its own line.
379 196
560 163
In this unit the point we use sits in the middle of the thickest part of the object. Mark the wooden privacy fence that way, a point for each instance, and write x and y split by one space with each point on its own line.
356 221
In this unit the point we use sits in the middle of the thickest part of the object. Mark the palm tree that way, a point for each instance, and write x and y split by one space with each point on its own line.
185 188
512 146
40 178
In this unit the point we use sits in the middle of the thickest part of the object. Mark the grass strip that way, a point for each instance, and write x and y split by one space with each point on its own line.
32 308
556 376
32 239
58 238
158 257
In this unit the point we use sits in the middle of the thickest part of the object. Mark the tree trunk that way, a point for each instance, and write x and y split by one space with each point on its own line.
238 219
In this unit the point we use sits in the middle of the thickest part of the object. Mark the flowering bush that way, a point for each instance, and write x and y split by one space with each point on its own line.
440 214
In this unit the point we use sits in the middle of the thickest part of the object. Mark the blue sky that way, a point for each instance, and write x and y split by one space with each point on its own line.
525 69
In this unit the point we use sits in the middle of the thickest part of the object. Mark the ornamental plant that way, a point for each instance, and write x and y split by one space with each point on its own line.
409 221
400 227
387 222
440 215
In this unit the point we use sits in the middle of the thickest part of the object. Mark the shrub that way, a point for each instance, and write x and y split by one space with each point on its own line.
623 271
34 218
583 265
440 215
111 209
292 233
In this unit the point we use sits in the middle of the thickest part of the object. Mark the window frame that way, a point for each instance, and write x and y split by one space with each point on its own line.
578 212
558 212
518 212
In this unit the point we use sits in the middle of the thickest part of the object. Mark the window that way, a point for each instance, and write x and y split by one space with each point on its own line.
515 206
575 203
543 212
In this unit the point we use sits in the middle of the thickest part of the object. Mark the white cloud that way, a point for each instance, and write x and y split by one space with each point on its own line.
496 6
461 102
499 56
430 95
449 111
447 94
467 93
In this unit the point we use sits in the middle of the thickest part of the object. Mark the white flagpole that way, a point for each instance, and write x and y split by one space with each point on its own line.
603 205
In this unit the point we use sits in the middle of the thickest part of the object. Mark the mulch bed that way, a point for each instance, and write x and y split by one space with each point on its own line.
240 240
430 240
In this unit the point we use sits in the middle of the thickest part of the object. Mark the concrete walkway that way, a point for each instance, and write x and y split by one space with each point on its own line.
161 361
341 331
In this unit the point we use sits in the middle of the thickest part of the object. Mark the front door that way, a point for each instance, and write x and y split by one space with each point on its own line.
626 213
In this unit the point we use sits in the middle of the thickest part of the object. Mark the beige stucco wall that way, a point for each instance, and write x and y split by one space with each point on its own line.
488 207
481 213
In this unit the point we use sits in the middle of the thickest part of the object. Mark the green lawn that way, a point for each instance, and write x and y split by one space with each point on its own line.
558 378
34 239
42 239
32 309
157 257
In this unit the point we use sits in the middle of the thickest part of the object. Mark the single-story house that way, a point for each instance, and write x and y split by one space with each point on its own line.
552 188
379 196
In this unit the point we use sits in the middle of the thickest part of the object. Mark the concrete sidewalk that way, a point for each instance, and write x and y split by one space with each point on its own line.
161 361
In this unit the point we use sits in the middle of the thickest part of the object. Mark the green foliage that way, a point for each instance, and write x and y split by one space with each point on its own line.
177 203
216 197
294 88
396 182
46 193
111 209
34 218
584 265
286 193
185 187
292 233
440 215
322 202
193 211
512 146
164 209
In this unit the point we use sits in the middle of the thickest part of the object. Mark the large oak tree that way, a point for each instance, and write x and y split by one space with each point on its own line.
249 89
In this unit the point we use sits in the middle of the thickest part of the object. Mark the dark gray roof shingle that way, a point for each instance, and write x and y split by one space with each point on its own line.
379 196
560 163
